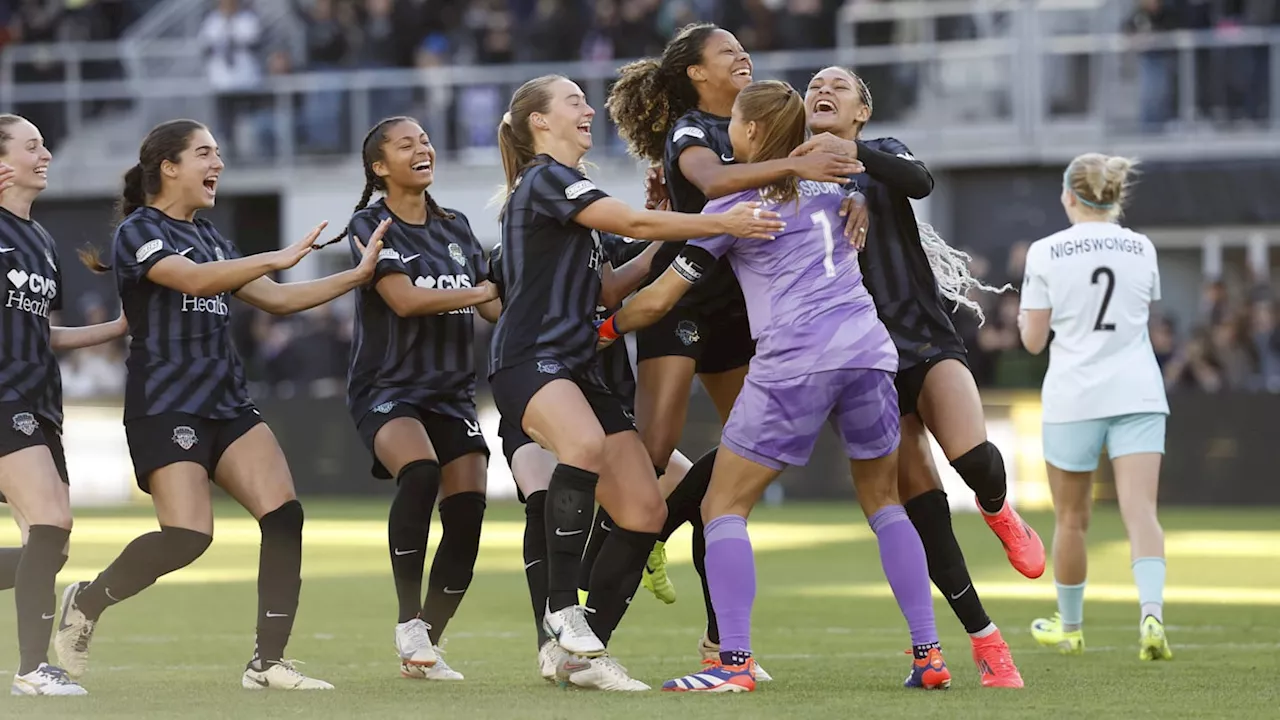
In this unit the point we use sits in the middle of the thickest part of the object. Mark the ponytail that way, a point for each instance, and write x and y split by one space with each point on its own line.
134 194
516 154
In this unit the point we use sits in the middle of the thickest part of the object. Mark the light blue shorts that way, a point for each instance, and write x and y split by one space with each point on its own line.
1075 446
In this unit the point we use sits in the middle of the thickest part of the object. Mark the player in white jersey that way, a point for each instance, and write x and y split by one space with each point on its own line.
1090 287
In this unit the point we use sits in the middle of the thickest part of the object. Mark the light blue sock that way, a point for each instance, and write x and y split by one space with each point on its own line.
1071 605
1148 573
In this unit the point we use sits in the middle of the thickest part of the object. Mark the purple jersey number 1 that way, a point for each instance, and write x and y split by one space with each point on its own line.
819 218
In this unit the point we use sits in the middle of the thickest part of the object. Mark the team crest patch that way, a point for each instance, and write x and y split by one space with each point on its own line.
384 408
455 252
185 437
549 367
687 331
26 423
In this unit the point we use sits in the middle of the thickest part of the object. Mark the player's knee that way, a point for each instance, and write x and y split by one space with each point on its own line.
584 453
980 463
283 522
181 547
1071 519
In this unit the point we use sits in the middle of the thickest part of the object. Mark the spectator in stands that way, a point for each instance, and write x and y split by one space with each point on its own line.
230 38
1157 69
388 37
1195 368
1264 341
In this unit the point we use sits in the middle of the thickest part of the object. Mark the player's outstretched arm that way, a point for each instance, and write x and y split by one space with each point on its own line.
615 285
744 220
288 298
74 338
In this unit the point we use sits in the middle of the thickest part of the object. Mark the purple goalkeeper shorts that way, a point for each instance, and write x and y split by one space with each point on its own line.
776 423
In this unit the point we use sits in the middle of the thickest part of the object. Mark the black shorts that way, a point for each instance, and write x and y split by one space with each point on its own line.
23 428
513 438
717 342
451 437
158 441
911 381
515 386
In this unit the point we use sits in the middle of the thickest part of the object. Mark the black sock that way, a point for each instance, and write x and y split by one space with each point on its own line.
685 501
408 524
143 561
279 579
615 577
982 469
931 517
700 564
454 564
9 558
535 557
42 558
599 533
570 497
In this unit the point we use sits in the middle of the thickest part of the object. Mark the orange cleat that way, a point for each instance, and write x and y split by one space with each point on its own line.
995 663
929 672
1021 543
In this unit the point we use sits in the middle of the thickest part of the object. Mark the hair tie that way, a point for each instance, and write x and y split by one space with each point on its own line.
1066 185
506 118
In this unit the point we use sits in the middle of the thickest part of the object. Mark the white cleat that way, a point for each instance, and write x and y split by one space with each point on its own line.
46 680
413 642
439 671
550 655
570 629
280 675
597 673
711 651
71 643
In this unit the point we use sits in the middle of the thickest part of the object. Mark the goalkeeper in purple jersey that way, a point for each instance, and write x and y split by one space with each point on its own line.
822 356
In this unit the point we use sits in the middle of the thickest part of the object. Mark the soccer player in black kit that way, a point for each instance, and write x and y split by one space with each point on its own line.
411 385
532 466
543 366
33 467
910 271
674 112
187 415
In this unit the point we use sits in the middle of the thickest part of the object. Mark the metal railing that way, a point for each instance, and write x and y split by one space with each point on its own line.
984 100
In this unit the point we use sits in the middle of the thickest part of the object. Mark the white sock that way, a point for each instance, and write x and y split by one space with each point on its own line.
987 631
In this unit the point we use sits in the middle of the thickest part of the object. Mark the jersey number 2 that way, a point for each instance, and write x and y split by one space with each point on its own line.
820 219
1104 272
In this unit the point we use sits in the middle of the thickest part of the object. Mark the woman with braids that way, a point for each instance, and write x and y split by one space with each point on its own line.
544 372
673 112
412 380
187 414
913 275
823 357
33 465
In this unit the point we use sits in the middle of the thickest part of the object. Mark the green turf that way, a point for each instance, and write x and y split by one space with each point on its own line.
824 626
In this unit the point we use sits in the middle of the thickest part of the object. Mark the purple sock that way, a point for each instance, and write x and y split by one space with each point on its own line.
731 576
902 557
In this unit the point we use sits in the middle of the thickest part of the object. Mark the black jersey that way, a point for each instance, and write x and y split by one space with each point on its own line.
615 361
550 269
181 358
896 270
28 368
428 361
717 289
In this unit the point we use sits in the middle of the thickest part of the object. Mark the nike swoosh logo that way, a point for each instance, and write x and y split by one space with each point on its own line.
449 591
727 158
605 526
277 615
529 565
47 617
562 533
404 552
261 682
183 253
7 250
962 592
407 258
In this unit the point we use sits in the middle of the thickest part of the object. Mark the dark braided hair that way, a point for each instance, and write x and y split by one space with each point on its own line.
651 94
370 153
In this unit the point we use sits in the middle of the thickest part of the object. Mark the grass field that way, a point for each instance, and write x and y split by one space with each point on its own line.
825 627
